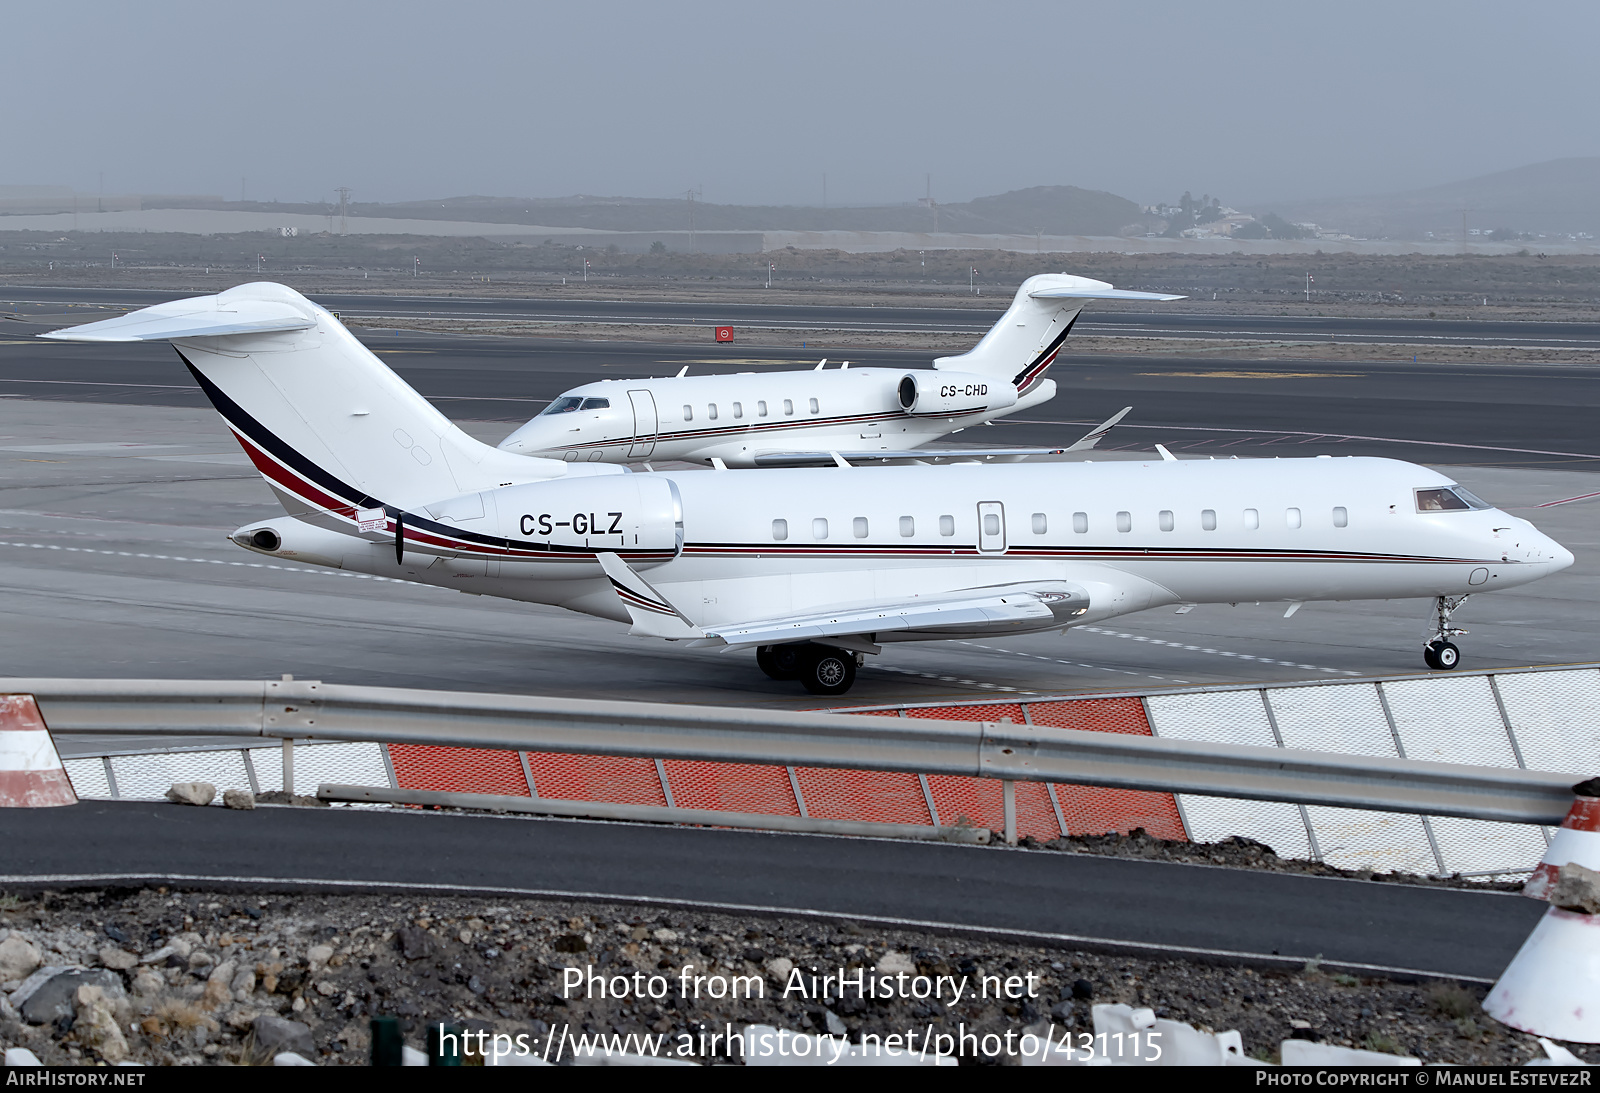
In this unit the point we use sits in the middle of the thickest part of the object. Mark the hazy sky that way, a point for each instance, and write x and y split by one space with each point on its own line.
754 102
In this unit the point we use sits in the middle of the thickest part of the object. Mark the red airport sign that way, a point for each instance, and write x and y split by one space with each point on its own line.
724 333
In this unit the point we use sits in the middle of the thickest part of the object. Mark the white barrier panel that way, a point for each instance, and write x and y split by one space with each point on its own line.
1456 720
1555 717
148 777
1349 719
1234 717
314 764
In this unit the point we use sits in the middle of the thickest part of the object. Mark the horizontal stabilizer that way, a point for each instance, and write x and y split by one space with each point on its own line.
994 610
1106 293
653 616
197 317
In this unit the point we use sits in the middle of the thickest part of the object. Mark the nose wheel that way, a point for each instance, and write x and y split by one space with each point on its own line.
1439 652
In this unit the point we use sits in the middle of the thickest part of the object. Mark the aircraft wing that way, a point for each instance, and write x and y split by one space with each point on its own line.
939 455
996 609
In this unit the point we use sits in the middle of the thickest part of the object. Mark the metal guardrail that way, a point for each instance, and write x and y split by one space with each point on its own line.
307 710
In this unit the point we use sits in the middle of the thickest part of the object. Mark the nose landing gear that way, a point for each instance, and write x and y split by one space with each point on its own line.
1439 652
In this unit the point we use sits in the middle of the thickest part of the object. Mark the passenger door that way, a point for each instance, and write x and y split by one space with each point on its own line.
991 527
644 424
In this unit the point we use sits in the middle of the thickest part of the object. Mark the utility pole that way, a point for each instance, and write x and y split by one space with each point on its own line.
415 262
585 271
770 267
344 207
690 194
1308 286
972 279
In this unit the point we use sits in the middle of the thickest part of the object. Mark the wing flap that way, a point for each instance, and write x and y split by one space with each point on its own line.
980 610
939 455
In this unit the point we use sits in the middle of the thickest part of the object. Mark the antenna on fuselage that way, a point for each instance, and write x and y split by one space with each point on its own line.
684 371
820 363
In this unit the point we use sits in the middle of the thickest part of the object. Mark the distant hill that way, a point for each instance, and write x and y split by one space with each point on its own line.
1053 210
1556 197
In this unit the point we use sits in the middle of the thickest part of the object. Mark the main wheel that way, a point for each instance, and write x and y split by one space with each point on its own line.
779 661
828 671
1442 655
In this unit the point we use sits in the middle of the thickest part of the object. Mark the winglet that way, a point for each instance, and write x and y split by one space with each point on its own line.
652 615
1098 433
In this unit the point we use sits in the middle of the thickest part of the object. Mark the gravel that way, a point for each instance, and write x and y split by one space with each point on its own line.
330 962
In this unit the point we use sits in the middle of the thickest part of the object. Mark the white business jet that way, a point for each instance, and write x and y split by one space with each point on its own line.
813 568
807 418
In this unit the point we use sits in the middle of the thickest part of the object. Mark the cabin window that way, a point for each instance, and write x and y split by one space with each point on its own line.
1040 524
1252 519
563 405
819 528
1208 519
858 527
1341 517
947 525
908 526
788 406
688 413
1080 523
1164 519
1293 517
815 408
1124 521
780 529
596 404
991 523
761 408
738 409
711 411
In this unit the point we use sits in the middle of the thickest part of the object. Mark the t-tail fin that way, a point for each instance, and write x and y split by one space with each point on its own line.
327 423
1024 343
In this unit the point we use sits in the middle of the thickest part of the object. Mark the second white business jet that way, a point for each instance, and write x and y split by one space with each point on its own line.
800 418
812 568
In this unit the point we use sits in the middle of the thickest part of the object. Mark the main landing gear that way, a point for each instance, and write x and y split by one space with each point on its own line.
821 669
1440 653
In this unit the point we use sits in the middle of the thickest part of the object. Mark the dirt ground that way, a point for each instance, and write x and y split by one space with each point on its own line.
1530 286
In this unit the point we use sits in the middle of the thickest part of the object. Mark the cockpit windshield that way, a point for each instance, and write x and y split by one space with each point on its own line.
563 405
1449 499
596 404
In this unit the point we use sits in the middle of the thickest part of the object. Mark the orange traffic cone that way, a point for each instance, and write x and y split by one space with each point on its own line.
31 774
1577 840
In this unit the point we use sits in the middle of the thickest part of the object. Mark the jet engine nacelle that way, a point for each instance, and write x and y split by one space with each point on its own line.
934 393
630 514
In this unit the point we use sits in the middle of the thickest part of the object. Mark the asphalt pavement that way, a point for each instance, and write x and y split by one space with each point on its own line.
1043 897
799 317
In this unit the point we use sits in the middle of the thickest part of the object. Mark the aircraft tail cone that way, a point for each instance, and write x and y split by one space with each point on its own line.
1576 840
1552 986
31 774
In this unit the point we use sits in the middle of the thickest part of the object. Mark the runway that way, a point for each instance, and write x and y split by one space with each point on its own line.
370 309
1040 898
1496 414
